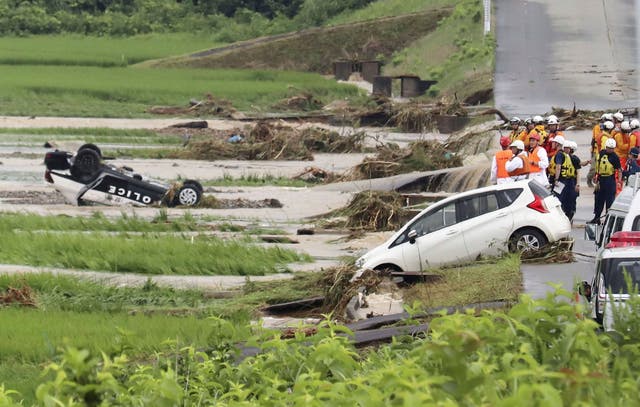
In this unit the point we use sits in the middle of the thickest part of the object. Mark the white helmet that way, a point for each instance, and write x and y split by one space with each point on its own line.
618 116
558 139
604 117
610 143
515 120
552 117
570 144
625 126
519 144
607 116
552 120
635 124
538 119
609 125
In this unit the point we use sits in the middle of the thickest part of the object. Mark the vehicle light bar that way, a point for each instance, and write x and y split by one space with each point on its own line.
624 239
538 205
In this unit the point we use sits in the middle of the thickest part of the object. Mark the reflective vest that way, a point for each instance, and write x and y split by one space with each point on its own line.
552 164
514 135
534 160
605 168
525 169
501 161
603 139
541 132
567 169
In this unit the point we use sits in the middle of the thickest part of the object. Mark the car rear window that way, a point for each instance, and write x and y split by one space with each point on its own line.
538 189
508 196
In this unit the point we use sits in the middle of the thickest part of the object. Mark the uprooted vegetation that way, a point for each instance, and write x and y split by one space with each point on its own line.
371 211
423 155
266 141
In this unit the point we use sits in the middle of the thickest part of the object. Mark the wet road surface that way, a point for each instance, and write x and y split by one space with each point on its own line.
554 53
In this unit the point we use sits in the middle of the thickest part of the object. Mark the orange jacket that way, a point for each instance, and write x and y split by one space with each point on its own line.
624 142
501 160
534 160
597 136
525 169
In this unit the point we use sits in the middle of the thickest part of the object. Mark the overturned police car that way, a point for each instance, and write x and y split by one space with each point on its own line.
84 178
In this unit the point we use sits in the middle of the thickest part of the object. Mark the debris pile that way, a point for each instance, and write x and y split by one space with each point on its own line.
268 141
18 296
423 155
316 175
557 252
303 102
374 210
339 289
209 106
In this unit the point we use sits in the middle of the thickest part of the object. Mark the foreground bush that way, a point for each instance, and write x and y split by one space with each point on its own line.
539 353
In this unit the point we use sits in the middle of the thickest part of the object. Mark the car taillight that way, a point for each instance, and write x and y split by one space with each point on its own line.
47 177
624 239
538 205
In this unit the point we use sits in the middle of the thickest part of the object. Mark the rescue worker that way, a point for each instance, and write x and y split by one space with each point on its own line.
552 131
538 160
556 146
514 123
618 118
635 130
499 174
566 176
518 165
607 168
624 142
528 128
632 166
539 127
606 124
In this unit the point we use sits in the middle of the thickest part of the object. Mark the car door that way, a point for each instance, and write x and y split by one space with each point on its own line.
439 240
486 227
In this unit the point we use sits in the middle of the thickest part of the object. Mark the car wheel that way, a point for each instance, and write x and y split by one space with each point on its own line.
195 184
188 195
86 165
526 240
91 146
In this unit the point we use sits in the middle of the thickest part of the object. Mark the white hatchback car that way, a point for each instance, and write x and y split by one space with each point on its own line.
487 221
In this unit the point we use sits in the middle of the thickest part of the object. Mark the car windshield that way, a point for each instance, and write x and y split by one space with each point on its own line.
614 275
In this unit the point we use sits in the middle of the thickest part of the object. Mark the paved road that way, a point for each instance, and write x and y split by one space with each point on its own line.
557 52
538 278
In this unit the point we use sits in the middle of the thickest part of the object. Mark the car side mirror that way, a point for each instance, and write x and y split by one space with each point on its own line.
412 236
584 289
591 231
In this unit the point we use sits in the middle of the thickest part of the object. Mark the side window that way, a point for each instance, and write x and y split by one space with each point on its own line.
431 222
613 224
636 223
477 205
508 196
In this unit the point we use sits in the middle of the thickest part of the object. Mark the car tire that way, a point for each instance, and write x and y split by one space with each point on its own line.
195 184
526 240
188 195
91 146
86 165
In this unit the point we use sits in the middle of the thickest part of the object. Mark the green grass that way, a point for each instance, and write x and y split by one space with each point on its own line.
456 54
487 281
10 221
145 254
256 181
386 8
97 51
31 338
129 92
86 135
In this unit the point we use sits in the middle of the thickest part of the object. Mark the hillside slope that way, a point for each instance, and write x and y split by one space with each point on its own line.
315 49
